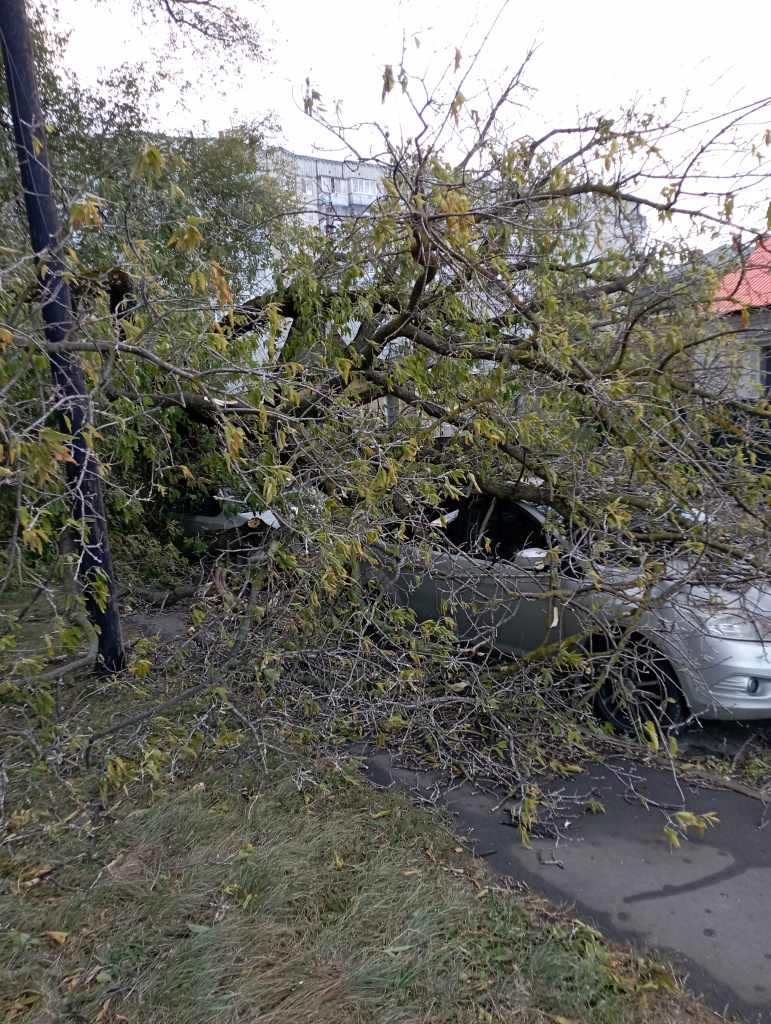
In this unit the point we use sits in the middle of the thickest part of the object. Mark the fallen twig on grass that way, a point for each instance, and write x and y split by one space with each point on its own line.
215 680
87 661
146 716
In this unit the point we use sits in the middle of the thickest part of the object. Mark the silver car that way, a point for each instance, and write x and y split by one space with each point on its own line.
668 652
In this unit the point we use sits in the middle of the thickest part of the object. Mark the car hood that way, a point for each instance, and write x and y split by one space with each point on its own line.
675 587
745 600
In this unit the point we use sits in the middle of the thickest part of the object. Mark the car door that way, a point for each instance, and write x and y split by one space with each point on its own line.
496 584
407 575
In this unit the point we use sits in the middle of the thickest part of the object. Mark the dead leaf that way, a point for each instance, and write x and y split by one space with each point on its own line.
59 937
22 1003
114 863
37 873
105 1007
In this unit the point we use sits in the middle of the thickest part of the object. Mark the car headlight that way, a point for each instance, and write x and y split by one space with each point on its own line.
732 626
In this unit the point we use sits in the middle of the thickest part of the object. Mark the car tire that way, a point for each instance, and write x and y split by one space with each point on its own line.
639 685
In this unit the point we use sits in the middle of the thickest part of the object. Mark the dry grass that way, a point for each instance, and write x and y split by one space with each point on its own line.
234 896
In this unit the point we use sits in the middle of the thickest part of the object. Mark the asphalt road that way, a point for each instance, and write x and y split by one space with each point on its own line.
706 906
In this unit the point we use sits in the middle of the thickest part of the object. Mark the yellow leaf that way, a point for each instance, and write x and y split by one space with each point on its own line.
382 814
103 1012
671 835
149 164
343 367
457 103
234 439
58 937
338 861
85 213
388 81
651 736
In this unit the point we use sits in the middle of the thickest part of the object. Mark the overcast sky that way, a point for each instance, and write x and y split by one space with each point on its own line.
596 57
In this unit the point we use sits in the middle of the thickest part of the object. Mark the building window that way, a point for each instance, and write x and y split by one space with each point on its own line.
765 370
391 410
363 187
307 187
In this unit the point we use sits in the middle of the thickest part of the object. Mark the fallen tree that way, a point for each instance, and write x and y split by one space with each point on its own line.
532 337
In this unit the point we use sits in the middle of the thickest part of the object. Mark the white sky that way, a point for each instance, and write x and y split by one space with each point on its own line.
595 56
592 57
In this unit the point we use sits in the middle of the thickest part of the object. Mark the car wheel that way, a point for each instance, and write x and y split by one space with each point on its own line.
639 686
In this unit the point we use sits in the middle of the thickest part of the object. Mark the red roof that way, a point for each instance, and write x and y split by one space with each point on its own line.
750 286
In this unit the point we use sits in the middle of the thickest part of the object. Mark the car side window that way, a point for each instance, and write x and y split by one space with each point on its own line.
499 529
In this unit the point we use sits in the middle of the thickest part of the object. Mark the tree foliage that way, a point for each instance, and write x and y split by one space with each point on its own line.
543 343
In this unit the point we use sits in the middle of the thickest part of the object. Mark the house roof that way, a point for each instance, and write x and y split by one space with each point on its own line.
750 285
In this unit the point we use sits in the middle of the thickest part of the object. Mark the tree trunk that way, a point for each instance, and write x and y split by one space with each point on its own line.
83 482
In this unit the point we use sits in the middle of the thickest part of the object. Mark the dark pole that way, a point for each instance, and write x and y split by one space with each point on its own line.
83 483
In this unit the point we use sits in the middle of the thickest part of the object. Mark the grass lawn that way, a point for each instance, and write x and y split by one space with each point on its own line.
232 895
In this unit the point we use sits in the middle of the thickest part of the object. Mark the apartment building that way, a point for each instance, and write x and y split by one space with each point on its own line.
333 189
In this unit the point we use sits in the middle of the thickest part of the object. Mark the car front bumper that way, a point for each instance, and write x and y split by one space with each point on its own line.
728 679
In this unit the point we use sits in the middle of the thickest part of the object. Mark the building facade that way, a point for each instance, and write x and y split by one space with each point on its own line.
744 299
333 189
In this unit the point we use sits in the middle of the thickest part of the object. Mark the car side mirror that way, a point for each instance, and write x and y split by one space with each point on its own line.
532 559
